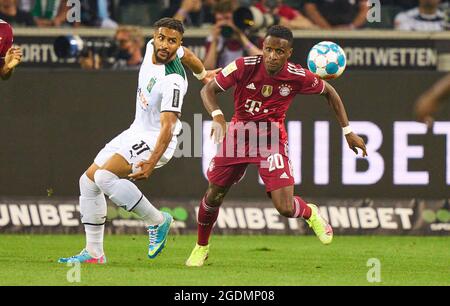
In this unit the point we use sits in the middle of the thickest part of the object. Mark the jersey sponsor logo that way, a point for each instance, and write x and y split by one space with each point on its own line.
285 90
176 98
150 85
267 90
229 69
252 106
251 86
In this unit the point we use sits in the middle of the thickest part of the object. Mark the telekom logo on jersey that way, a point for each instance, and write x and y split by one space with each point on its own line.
399 162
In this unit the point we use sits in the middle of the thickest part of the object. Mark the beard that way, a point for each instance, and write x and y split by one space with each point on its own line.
164 59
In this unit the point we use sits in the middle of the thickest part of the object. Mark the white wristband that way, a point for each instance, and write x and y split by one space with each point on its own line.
216 113
347 130
200 76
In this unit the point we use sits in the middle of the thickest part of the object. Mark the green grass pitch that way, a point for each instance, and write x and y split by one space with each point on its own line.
234 260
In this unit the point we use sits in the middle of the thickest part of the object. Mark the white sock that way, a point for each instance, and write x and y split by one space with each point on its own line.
93 215
126 194
94 239
148 212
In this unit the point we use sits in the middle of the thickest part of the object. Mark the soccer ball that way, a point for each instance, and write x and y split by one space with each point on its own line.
327 60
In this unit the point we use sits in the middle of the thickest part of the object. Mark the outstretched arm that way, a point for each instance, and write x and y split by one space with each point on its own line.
219 125
196 66
353 140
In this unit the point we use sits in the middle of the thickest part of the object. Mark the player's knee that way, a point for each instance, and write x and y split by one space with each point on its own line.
83 182
215 198
88 188
105 180
90 173
215 195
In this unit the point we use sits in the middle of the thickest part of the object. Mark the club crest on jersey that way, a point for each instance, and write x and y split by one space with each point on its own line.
285 90
266 91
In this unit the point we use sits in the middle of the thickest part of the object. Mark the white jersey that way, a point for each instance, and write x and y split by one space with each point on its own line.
161 88
413 20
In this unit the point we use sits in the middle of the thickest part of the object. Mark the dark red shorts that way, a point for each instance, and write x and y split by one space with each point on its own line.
247 144
275 170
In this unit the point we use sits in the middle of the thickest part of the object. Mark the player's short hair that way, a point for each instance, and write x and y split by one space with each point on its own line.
170 23
281 32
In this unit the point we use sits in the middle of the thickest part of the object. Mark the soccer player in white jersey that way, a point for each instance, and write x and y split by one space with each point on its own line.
149 143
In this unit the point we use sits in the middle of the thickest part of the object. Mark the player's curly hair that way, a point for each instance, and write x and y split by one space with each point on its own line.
170 23
281 32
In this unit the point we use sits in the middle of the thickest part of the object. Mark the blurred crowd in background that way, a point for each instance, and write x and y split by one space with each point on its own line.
228 37
416 15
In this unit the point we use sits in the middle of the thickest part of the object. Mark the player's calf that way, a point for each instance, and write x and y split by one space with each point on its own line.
285 210
288 205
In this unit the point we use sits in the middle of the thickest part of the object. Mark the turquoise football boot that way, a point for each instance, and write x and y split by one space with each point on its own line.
157 235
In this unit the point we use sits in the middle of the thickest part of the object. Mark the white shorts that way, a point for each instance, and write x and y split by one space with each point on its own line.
134 147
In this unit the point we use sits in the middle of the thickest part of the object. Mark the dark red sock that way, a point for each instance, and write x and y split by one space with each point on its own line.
301 210
207 216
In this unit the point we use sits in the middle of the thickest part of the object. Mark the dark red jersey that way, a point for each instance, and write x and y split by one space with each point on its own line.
260 97
6 40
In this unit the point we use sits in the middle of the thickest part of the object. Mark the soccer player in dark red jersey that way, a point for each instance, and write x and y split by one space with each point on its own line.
10 56
264 88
